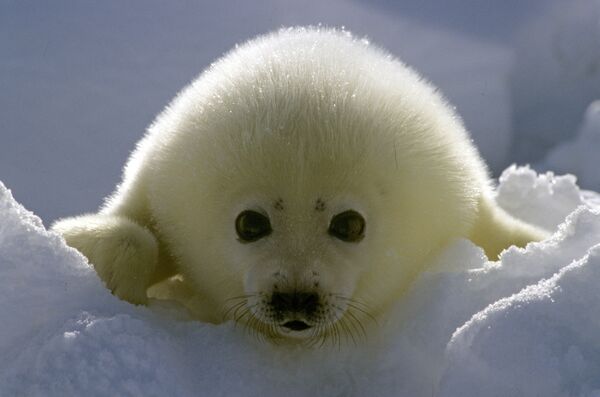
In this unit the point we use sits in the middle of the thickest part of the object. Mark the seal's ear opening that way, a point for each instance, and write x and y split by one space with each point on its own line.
495 230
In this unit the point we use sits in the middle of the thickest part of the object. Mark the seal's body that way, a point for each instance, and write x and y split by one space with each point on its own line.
301 182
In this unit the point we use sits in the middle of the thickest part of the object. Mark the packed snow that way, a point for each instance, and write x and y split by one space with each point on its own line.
526 325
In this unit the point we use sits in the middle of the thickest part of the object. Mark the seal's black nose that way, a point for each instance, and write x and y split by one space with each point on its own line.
295 302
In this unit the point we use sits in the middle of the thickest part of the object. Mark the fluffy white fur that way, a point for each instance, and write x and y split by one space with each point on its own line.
293 117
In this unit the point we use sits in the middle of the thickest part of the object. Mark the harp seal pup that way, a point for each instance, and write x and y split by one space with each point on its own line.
298 185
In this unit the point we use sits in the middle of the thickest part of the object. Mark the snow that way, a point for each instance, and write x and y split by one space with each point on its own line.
556 75
580 155
526 325
543 200
540 341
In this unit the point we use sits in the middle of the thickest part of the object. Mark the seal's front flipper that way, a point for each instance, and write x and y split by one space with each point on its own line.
123 253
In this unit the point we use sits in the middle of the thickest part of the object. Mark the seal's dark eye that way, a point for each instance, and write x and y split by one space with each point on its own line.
251 226
348 226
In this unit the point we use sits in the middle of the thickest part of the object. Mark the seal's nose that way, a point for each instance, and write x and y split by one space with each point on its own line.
295 302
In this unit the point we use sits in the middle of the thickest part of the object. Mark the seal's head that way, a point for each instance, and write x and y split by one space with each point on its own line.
305 179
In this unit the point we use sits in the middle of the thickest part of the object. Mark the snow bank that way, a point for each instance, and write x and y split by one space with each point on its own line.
580 156
544 200
527 325
542 341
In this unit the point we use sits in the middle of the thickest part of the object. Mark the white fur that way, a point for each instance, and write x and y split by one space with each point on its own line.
297 115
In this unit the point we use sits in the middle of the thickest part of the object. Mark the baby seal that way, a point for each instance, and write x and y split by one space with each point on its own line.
298 186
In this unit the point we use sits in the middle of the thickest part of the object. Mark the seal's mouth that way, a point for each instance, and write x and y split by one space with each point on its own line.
296 325
309 318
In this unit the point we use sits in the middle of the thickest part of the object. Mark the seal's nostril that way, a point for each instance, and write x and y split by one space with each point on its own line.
308 301
296 302
281 301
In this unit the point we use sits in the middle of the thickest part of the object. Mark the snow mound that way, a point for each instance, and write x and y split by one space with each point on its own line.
526 325
544 200
580 156
541 341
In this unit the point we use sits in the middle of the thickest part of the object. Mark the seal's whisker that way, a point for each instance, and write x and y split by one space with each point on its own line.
366 313
354 302
356 336
325 336
315 335
347 331
257 330
273 333
347 298
356 321
351 322
339 336
240 297
357 305
249 326
238 319
245 310
259 333
333 335
234 307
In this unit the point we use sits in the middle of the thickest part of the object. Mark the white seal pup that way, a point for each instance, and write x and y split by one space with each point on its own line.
298 186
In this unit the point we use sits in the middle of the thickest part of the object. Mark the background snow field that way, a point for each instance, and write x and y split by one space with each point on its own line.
526 325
